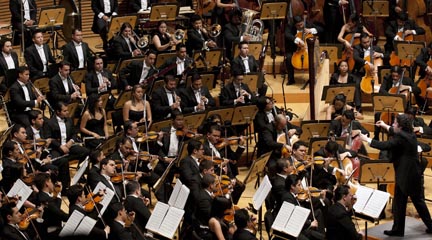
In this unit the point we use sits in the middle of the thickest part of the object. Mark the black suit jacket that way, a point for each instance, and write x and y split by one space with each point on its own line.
277 191
290 35
188 100
120 48
142 213
18 102
57 91
388 83
243 234
166 141
359 58
421 61
34 61
94 177
160 105
70 54
340 225
11 172
336 127
131 74
53 215
195 40
11 233
92 82
188 62
15 9
98 7
237 63
267 142
51 128
203 205
231 35
392 30
419 122
135 5
190 174
4 66
118 232
228 95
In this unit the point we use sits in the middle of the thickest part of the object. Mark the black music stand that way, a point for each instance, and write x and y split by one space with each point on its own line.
317 143
272 11
389 104
330 91
164 12
207 59
408 50
123 97
52 18
244 115
314 129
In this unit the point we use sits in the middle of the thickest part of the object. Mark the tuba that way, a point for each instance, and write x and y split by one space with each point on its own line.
252 27
214 30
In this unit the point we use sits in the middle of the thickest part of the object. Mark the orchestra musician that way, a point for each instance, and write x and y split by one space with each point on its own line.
94 122
8 63
118 229
38 56
103 11
339 106
244 224
30 13
23 99
12 169
204 199
353 27
283 169
196 97
236 93
423 59
343 76
76 52
403 152
166 99
137 108
183 62
137 72
197 36
265 115
218 227
346 123
62 86
162 41
137 203
362 50
106 171
141 5
232 33
419 126
11 217
339 223
124 46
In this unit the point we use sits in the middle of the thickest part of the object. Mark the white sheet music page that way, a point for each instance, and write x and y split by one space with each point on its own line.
109 194
157 216
182 197
171 222
261 193
80 171
376 203
85 227
71 224
175 193
22 190
283 216
297 221
363 194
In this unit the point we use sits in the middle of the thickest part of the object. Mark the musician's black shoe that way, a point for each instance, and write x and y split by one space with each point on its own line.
429 230
393 233
290 82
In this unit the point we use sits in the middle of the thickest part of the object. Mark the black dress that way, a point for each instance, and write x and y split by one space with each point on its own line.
97 126
136 116
164 39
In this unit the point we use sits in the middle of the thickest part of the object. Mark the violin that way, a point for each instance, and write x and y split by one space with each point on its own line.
143 156
57 190
7 199
223 185
29 214
149 136
130 217
214 159
304 193
91 200
229 141
229 214
187 133
28 179
29 144
118 177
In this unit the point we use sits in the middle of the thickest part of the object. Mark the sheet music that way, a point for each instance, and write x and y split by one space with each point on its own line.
109 194
283 216
376 203
297 221
171 222
363 194
175 192
21 189
182 197
85 227
261 193
157 216
71 224
80 171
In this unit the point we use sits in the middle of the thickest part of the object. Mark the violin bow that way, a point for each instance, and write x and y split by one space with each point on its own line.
97 209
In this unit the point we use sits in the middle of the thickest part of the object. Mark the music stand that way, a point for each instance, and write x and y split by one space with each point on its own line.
225 113
253 80
109 146
244 115
207 80
157 126
50 17
4 136
122 98
255 49
377 171
257 167
317 143
72 107
207 59
42 84
117 21
375 9
124 62
408 50
162 58
314 129
388 103
194 121
163 12
78 76
330 92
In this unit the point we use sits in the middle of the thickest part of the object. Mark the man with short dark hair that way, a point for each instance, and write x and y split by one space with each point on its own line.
103 12
138 72
8 63
38 56
76 52
62 87
197 97
236 93
118 229
137 203
166 99
182 61
244 224
12 217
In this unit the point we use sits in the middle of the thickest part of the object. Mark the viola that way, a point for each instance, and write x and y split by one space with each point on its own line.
28 144
143 156
229 141
187 133
118 177
91 200
28 179
29 214
6 199
214 159
149 136
312 191
223 185
229 214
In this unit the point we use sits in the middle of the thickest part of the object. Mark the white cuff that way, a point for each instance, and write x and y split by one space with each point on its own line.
414 32
297 40
114 14
314 31
101 14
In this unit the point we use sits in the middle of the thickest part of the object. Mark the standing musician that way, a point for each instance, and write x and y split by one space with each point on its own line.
362 51
400 29
232 33
137 72
423 59
30 13
197 36
293 42
124 46
339 223
197 97
23 99
8 62
76 52
166 99
103 11
62 86
11 217
182 61
38 56
408 173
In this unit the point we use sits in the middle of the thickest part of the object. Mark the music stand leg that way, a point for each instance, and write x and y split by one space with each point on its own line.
305 85
273 46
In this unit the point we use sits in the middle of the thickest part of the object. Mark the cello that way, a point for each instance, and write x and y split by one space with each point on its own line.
300 59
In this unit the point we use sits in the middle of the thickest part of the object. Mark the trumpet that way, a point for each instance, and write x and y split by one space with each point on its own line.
39 93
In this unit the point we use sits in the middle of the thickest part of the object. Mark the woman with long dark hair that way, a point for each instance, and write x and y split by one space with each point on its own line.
93 122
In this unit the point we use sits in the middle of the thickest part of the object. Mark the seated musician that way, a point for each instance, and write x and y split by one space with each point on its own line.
12 169
62 87
123 46
100 81
137 203
283 169
137 72
23 99
95 158
197 36
61 129
268 140
314 227
392 85
94 122
339 106
162 41
50 197
189 166
166 99
419 125
197 97
353 27
362 51
141 5
245 225
180 64
103 12
423 61
293 42
30 13
78 200
339 223
265 115
219 228
8 62
38 56
343 76
11 218
232 33
76 52
35 130
401 30
107 170
118 228
236 93
138 108
210 149
203 200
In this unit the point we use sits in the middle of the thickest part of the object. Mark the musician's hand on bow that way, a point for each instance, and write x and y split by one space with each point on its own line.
314 224
381 124
46 161
200 106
